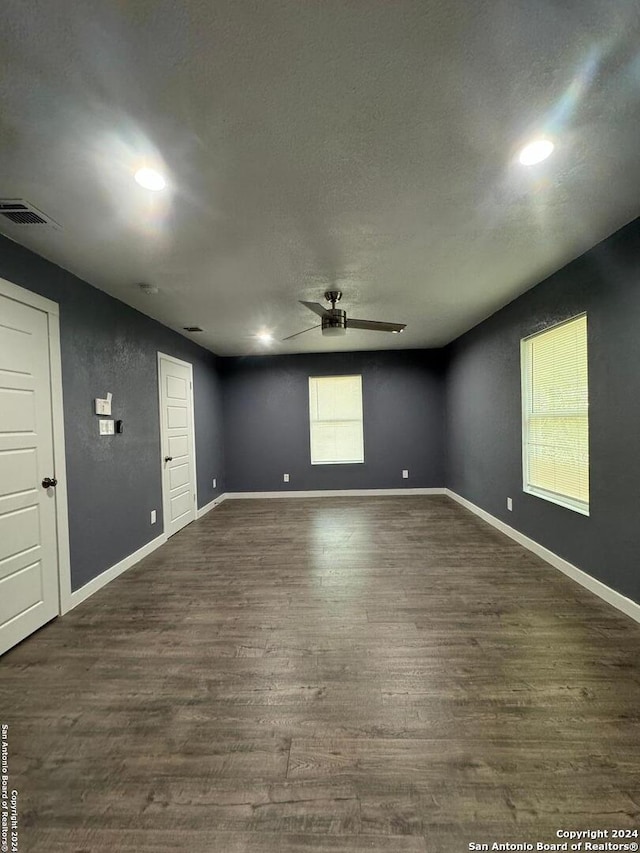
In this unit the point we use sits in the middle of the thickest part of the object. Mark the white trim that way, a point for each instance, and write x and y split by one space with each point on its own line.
559 500
211 505
194 481
317 422
526 404
110 574
60 465
616 599
52 310
27 297
332 493
525 396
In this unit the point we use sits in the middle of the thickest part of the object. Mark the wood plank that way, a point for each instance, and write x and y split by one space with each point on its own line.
207 841
253 686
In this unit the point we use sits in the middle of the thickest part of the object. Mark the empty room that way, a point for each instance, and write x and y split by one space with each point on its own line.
319 426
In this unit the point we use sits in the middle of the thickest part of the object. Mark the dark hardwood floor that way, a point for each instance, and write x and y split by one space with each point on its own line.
366 674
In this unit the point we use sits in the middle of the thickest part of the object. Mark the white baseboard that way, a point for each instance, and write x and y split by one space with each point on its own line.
616 599
332 493
110 574
211 505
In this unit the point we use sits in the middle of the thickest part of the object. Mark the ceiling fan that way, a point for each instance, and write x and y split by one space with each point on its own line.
334 321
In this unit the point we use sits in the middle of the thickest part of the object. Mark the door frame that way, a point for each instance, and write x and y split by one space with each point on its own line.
52 310
192 435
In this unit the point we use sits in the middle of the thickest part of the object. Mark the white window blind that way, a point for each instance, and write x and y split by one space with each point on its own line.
555 408
335 419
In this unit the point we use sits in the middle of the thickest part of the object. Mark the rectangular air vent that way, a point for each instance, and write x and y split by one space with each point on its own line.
21 212
192 328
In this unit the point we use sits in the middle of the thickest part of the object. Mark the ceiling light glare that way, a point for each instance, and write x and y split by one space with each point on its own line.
536 152
150 179
265 337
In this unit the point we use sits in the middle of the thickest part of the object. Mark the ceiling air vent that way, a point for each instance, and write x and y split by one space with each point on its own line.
192 328
20 212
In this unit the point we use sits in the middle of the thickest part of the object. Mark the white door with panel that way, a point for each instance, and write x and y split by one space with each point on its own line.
28 547
178 451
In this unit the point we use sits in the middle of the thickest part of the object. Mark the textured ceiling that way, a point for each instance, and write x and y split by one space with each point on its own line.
363 144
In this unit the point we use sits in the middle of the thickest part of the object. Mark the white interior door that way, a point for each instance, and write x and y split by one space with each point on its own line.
28 548
177 438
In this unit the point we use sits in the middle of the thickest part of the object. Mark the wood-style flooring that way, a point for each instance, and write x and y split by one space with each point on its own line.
349 674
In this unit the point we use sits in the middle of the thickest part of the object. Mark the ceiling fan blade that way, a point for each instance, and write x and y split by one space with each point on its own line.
375 325
318 309
302 332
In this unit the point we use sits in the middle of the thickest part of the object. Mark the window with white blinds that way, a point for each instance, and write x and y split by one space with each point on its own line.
555 414
335 419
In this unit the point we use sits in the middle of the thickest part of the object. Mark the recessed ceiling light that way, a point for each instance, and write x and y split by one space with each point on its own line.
265 337
150 179
536 152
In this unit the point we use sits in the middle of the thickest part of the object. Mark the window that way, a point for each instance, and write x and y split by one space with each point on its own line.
335 419
555 424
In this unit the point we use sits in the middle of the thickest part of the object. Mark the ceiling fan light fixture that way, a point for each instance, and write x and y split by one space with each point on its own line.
334 323
334 320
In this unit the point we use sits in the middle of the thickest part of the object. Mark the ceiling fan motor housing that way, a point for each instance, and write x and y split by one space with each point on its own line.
334 322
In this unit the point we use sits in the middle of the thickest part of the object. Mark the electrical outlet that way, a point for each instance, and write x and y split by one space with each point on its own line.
405 474
106 427
509 504
153 516
213 482
285 478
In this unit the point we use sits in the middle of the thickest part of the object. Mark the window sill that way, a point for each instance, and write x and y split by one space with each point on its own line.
559 500
340 462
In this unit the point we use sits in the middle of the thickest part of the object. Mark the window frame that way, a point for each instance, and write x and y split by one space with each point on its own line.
350 420
526 393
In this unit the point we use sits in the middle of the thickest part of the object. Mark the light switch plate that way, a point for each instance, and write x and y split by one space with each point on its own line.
285 478
103 407
106 427
214 481
509 504
153 516
405 474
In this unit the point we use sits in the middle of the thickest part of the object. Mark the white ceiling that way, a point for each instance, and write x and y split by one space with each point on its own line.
363 144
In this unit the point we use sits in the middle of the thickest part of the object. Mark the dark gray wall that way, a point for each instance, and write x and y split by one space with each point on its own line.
266 416
484 416
115 481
